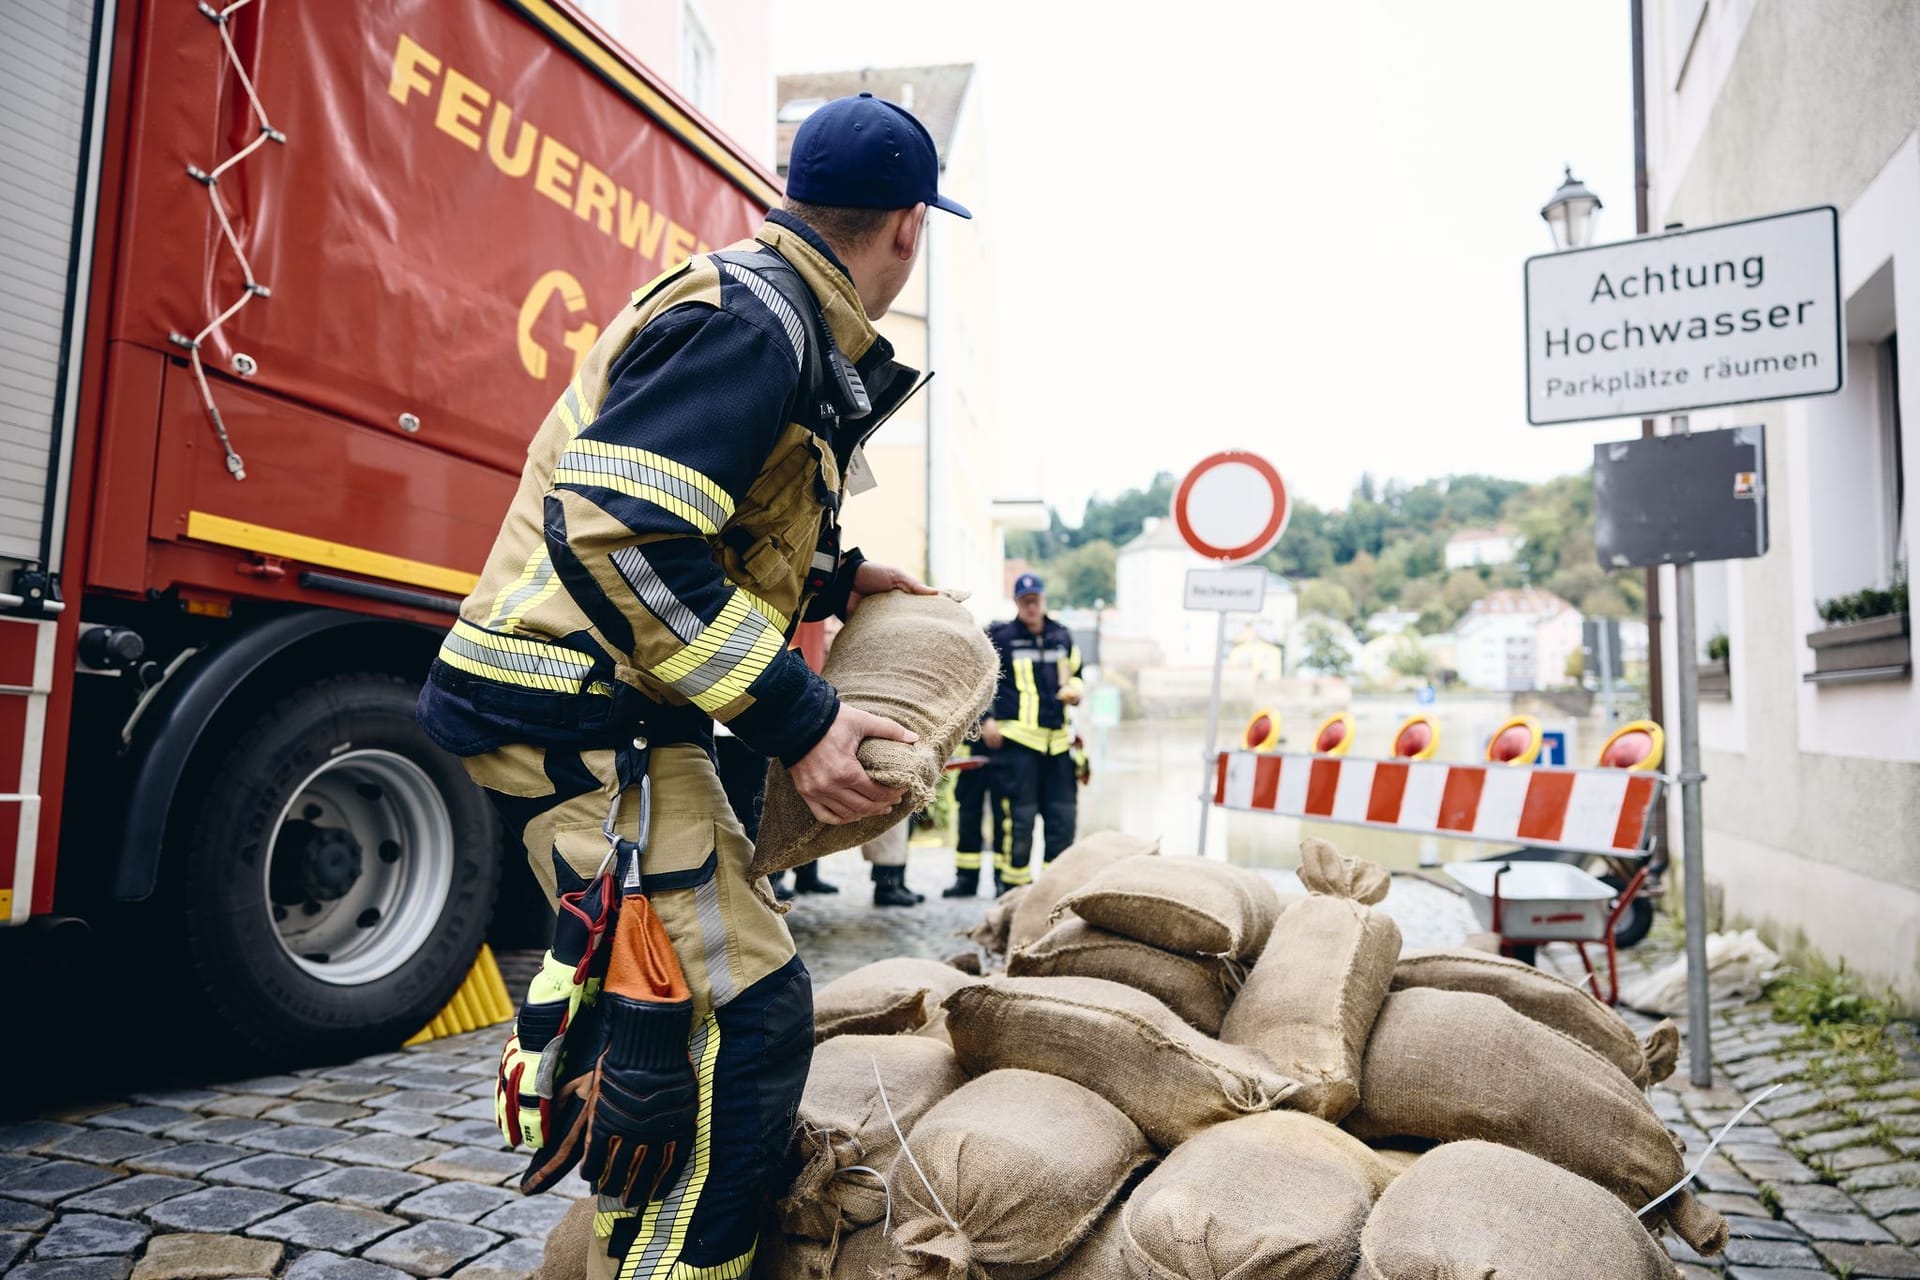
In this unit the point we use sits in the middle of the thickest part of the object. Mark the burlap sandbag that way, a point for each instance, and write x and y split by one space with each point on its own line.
996 926
1078 863
1281 1196
1472 1209
1022 1165
866 1254
1455 1065
1099 1256
884 998
1195 987
920 661
846 1136
1397 1159
1121 1043
1193 906
565 1256
1310 1001
1548 999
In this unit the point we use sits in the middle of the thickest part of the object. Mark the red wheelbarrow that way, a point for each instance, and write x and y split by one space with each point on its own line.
1529 903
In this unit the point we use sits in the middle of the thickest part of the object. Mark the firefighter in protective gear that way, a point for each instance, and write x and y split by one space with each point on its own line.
1029 734
676 519
974 798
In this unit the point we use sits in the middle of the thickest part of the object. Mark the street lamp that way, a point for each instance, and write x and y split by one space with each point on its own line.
1571 214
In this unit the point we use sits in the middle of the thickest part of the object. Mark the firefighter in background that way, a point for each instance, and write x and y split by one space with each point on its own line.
1028 732
973 797
677 518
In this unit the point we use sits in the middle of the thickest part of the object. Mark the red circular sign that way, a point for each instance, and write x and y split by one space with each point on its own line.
1232 506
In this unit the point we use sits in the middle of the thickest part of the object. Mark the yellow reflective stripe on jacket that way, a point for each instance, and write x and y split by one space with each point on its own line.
575 410
724 660
1029 691
1046 741
531 664
649 476
536 583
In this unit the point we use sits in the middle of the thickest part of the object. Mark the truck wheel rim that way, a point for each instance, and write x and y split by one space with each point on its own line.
361 865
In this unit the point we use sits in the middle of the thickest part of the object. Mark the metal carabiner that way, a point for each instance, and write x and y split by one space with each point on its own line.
611 828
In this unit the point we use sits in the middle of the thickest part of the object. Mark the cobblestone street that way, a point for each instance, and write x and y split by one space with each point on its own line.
390 1166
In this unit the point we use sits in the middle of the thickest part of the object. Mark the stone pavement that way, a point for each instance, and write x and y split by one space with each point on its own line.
389 1167
1823 1177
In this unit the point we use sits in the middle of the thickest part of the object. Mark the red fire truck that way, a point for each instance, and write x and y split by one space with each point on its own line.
284 290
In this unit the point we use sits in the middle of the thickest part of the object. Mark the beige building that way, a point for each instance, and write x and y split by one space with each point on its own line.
1812 803
938 459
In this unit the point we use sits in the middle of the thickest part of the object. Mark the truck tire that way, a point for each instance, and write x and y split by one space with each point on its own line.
340 872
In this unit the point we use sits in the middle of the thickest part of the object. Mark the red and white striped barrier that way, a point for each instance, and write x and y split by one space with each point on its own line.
1585 810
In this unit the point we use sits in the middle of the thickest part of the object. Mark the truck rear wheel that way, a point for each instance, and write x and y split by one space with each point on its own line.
340 873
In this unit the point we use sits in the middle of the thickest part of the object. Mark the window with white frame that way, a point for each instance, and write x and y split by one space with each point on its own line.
699 60
1855 488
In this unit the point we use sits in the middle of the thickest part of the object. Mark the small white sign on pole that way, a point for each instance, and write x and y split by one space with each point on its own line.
1732 314
1227 590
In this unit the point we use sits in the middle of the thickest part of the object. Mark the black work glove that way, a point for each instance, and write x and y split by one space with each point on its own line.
643 1102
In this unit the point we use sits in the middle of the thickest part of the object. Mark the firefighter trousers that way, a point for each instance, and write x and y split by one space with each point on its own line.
1033 785
974 799
752 1038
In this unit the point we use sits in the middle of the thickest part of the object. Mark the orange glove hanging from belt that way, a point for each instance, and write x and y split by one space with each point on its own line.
627 1101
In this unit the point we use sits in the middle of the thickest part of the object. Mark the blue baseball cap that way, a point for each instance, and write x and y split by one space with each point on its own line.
1028 584
866 153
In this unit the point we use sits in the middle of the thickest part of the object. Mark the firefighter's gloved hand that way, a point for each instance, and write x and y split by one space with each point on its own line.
643 1103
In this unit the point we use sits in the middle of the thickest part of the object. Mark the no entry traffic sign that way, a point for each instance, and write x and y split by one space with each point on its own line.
1232 506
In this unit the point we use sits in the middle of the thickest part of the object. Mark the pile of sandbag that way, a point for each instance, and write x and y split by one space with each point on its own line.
1183 930
1183 1075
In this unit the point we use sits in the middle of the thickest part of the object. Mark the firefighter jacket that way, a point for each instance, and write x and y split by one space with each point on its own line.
1033 671
677 518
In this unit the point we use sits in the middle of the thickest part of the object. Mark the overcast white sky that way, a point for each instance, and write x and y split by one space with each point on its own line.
1288 227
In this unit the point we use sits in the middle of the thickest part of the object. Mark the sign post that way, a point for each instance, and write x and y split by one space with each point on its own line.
1679 499
1230 508
1724 315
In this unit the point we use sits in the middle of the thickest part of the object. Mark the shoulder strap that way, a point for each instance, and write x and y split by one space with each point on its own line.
781 290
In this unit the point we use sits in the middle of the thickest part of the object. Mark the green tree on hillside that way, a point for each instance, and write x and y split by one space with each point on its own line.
1083 577
1325 654
1386 548
1328 598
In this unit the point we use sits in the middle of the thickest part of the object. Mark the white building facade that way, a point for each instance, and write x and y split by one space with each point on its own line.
1517 640
1471 548
1149 614
1812 807
715 53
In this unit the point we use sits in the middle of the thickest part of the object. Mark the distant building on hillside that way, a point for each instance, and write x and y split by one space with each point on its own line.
1471 548
1150 577
1391 622
1515 640
1300 645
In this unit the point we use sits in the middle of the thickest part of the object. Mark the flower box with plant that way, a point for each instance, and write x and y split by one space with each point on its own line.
1716 673
1868 636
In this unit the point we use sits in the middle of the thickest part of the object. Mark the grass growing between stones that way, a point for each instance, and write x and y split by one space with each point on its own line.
1842 1029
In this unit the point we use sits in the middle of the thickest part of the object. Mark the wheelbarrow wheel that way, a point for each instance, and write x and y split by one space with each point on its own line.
1637 921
